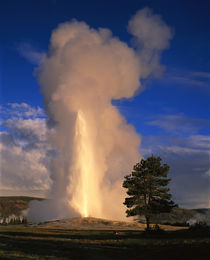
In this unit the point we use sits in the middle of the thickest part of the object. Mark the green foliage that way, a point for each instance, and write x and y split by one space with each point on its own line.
147 189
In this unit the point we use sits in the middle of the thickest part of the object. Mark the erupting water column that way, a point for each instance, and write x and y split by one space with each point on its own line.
86 198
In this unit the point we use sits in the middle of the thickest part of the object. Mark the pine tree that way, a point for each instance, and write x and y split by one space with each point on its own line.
146 188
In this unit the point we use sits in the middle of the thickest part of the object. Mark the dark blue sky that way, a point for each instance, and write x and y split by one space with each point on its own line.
179 89
169 111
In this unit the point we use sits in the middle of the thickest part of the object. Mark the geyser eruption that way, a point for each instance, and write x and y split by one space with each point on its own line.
84 71
86 196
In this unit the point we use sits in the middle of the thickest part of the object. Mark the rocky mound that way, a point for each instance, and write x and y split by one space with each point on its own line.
91 223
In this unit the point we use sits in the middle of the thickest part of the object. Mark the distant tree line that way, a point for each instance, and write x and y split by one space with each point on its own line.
14 220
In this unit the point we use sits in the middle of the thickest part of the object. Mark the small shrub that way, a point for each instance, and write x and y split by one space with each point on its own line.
156 229
199 225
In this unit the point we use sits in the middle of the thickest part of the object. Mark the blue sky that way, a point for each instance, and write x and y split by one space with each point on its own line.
171 112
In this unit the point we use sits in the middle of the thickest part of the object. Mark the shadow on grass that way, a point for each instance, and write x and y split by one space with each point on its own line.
59 248
106 234
43 244
72 234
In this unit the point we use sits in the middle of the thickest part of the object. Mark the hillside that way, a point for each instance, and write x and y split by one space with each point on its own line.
176 216
14 205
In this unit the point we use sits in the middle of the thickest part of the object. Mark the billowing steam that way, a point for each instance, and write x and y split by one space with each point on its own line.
84 70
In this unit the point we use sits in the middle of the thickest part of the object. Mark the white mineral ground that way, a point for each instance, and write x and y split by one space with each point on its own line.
90 223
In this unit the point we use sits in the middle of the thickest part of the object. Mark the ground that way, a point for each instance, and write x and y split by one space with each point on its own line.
19 242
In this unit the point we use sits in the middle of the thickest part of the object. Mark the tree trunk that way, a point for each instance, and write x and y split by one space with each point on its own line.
147 222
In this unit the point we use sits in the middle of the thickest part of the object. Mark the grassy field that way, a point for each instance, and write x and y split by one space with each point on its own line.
35 243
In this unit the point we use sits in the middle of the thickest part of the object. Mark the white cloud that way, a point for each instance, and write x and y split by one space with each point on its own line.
180 124
21 110
24 151
200 74
188 78
199 141
23 169
30 130
29 53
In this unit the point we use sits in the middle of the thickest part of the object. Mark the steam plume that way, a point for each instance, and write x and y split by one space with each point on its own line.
84 70
151 37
